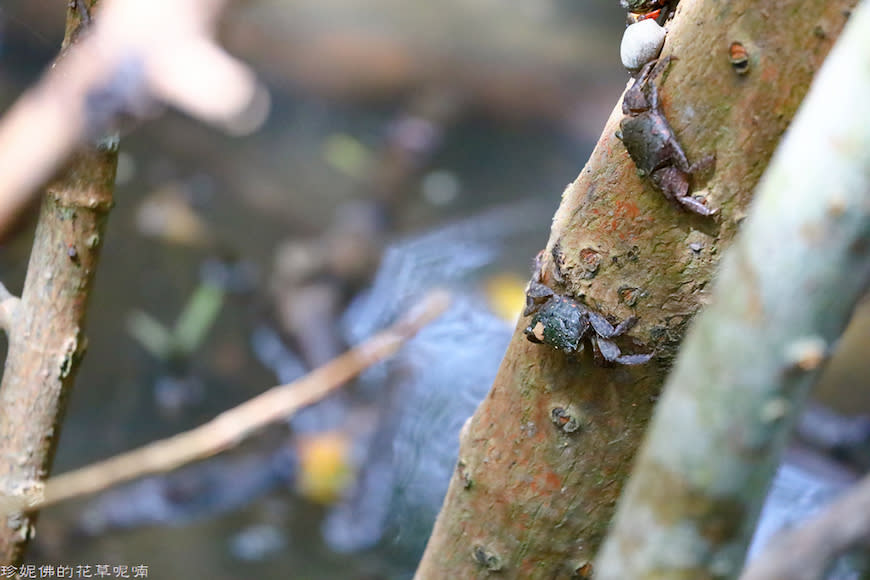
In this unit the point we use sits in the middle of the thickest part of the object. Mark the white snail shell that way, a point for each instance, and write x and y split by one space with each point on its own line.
641 43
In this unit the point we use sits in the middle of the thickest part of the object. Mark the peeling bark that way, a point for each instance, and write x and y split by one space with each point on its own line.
46 338
528 499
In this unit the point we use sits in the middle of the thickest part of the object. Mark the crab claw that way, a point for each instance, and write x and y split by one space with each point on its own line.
606 330
611 353
634 359
536 295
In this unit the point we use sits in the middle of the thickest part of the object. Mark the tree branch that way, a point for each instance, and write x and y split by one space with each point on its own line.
783 297
807 552
47 343
529 499
136 53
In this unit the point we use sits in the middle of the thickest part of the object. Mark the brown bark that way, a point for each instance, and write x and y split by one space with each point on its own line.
529 500
783 294
46 341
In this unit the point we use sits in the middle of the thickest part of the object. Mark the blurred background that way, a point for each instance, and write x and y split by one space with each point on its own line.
439 135
409 146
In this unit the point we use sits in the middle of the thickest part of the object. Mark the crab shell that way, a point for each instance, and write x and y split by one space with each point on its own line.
641 43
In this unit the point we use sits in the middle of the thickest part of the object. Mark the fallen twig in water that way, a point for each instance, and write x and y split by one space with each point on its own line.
232 426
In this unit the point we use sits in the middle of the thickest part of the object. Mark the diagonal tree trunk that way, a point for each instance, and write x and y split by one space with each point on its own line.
46 338
529 498
783 296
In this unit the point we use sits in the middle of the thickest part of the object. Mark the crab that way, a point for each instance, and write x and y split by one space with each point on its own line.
652 144
644 9
642 6
565 324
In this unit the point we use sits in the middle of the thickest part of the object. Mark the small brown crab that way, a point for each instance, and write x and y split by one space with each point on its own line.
651 142
564 324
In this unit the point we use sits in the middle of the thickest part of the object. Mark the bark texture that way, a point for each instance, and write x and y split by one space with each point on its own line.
528 498
783 297
46 340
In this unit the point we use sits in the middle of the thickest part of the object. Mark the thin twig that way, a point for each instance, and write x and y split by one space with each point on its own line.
807 552
231 427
